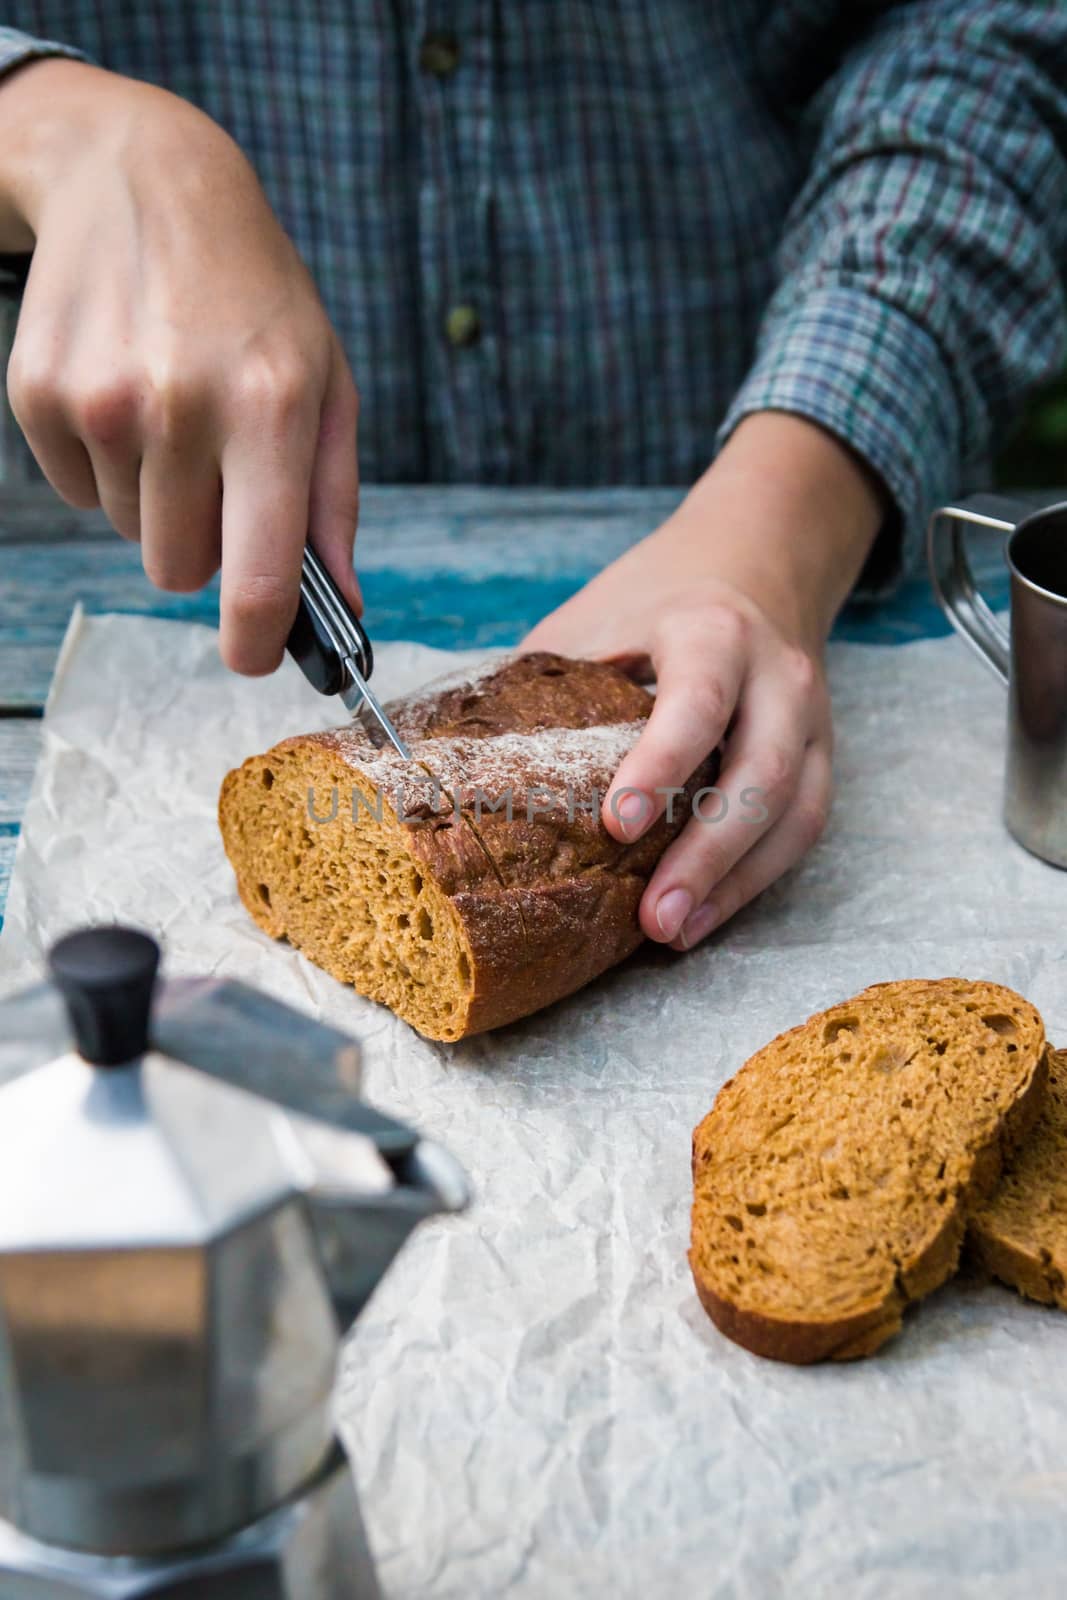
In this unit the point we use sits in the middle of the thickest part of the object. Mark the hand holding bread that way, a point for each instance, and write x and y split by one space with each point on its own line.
727 605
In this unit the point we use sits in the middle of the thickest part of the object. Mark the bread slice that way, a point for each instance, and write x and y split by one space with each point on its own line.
475 884
1019 1232
833 1175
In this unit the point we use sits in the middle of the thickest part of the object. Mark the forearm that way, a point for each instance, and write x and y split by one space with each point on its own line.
920 292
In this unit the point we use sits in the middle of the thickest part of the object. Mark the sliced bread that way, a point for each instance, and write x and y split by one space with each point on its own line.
1020 1232
834 1174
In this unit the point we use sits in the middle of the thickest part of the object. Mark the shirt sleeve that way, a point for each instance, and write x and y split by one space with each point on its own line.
16 47
919 295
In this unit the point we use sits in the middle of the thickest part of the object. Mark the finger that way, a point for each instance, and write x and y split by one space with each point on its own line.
181 514
102 410
761 770
334 496
778 850
118 490
33 396
265 491
105 412
700 671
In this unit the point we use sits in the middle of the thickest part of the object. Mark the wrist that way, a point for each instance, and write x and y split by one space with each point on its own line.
47 107
789 514
66 127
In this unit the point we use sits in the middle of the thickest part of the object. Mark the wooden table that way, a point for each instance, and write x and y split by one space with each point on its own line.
451 567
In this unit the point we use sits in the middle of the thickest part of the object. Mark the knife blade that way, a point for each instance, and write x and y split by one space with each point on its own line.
331 647
365 706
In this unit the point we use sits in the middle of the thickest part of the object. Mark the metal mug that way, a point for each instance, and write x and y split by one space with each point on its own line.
1030 657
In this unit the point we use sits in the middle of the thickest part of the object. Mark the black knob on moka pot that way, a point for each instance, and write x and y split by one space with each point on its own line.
107 976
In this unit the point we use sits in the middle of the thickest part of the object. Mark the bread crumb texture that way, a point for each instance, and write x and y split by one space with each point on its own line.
475 884
834 1175
1020 1232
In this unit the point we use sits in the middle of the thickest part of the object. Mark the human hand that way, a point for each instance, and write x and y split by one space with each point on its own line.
173 362
728 606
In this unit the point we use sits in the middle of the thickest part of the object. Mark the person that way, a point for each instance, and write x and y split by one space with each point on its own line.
814 244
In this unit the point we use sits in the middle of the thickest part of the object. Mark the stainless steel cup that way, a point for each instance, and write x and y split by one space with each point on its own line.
1031 657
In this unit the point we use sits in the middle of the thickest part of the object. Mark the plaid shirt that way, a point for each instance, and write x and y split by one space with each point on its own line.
575 241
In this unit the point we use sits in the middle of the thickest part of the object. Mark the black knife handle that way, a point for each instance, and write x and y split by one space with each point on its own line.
312 647
326 632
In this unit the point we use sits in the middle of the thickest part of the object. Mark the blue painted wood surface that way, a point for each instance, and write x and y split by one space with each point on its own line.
455 568
7 861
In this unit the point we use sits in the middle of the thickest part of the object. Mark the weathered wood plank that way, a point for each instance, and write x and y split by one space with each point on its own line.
32 512
27 657
432 518
20 741
450 567
493 600
8 844
442 523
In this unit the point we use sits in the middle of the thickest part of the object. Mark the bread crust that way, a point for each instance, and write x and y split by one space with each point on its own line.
869 1322
544 900
801 1344
1018 1232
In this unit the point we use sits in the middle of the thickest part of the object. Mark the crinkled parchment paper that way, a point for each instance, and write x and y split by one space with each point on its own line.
535 1402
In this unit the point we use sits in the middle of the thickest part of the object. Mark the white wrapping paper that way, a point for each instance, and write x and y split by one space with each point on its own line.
535 1402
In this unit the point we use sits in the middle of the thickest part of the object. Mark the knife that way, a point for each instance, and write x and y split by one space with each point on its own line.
330 646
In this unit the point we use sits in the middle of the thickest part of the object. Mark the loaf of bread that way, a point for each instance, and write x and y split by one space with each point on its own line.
834 1174
476 883
1020 1232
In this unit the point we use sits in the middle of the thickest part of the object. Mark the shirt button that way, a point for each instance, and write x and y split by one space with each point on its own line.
463 326
439 54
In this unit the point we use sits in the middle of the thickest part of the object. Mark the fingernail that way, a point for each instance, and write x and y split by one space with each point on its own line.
672 909
632 809
700 923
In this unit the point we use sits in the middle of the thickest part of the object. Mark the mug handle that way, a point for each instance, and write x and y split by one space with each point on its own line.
953 581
